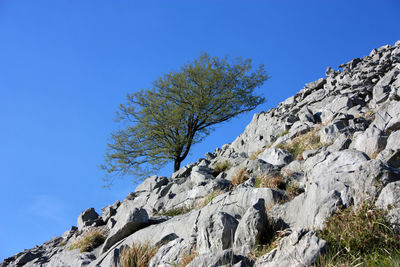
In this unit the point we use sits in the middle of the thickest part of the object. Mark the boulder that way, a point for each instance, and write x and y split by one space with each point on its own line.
87 218
300 249
252 227
276 156
389 199
371 142
218 258
129 220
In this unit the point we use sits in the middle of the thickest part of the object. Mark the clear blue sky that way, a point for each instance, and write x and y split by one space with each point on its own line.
66 65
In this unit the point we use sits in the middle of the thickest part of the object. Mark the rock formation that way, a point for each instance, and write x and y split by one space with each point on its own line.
334 144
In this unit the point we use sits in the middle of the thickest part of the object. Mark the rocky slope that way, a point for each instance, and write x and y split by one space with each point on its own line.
334 144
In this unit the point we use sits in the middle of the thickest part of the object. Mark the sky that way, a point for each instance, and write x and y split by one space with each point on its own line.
66 65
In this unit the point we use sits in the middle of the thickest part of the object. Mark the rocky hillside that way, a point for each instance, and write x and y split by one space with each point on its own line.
332 146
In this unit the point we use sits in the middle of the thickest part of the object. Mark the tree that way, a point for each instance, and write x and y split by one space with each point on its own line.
161 124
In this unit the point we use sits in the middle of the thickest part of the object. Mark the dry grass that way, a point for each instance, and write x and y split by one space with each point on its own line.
301 143
360 237
187 258
240 177
255 154
89 241
221 167
273 243
139 255
270 181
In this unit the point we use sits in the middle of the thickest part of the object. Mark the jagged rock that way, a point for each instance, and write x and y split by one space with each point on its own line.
252 227
172 253
87 218
276 156
382 87
71 258
338 179
215 232
129 220
372 141
389 199
218 258
152 183
300 248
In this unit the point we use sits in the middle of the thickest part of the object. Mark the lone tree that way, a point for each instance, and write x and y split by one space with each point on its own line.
162 123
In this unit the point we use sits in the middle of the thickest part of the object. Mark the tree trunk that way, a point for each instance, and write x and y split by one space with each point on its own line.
177 164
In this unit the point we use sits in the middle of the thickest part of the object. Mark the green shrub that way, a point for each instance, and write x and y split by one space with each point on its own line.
139 255
89 241
361 237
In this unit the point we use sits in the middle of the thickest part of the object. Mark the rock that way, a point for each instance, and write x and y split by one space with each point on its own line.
71 258
276 156
87 218
252 227
152 183
215 232
129 220
217 258
382 88
372 141
300 248
172 253
389 199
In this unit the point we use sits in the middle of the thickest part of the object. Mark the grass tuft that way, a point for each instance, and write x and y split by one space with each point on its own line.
187 258
270 181
176 211
360 237
89 241
221 167
255 154
301 143
139 255
240 177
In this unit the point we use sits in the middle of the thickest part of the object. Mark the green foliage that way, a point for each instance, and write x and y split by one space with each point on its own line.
176 211
162 123
139 255
361 237
89 241
221 167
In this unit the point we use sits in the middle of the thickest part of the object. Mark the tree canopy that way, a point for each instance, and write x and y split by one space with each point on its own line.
159 125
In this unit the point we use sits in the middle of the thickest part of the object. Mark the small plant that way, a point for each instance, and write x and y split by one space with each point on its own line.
89 241
210 196
301 143
176 211
240 177
255 154
270 181
360 237
139 255
293 190
222 166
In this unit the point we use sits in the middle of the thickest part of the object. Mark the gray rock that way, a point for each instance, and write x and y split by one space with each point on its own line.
382 88
371 142
87 218
129 220
215 232
389 199
252 227
300 248
217 258
71 258
276 156
172 253
151 183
